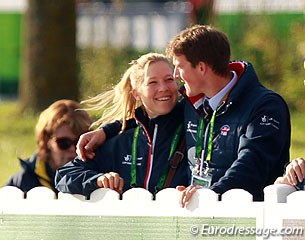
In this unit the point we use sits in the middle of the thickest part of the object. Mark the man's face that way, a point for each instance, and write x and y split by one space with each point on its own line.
191 76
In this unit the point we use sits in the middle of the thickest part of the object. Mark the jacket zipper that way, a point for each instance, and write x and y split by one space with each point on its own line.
150 159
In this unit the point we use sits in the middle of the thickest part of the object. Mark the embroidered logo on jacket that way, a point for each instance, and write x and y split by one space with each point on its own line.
224 130
191 127
127 160
269 121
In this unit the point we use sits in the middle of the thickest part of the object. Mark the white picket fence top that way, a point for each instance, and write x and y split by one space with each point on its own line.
282 205
136 201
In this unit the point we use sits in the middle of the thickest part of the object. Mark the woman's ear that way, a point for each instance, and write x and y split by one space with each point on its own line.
135 94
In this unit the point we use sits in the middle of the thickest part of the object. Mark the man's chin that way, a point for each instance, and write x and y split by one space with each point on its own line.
190 93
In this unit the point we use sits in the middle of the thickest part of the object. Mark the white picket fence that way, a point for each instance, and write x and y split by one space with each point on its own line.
276 218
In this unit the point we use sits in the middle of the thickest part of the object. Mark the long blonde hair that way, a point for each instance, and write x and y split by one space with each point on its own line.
119 103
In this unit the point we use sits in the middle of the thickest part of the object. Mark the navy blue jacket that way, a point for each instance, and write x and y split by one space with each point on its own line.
251 138
114 155
31 177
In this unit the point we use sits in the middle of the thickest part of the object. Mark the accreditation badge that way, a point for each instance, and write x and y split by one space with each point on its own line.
203 181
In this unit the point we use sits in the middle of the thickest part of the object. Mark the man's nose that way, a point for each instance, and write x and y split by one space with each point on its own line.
176 73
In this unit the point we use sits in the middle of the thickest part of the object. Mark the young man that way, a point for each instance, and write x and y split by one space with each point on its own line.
294 174
244 141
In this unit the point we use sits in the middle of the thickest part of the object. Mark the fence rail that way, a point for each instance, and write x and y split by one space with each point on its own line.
137 216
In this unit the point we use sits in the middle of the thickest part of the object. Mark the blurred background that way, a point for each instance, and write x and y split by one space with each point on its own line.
76 48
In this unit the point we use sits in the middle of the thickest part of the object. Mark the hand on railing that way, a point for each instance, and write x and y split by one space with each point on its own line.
111 180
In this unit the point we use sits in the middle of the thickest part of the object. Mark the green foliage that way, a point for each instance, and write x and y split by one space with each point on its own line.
275 45
101 68
17 138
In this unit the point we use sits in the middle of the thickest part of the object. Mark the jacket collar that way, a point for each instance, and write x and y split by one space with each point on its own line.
166 123
42 170
247 79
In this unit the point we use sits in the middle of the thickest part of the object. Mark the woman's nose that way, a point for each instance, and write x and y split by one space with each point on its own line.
164 85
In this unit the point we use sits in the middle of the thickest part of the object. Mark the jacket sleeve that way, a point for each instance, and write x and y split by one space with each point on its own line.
15 180
263 149
78 177
114 128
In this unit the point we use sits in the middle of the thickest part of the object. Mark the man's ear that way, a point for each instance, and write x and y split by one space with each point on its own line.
135 94
202 66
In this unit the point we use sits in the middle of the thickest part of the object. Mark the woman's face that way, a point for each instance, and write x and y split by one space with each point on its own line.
159 90
62 146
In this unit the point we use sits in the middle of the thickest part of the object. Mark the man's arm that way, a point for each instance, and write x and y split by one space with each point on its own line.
89 141
263 150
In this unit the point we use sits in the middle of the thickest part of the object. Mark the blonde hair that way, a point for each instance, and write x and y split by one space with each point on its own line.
119 103
57 114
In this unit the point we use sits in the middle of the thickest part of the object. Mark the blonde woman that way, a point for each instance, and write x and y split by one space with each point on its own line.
139 156
57 131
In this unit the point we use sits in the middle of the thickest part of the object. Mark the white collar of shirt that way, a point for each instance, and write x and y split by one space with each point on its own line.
214 101
199 102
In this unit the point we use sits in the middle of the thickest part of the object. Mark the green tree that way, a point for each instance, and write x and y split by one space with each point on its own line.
49 57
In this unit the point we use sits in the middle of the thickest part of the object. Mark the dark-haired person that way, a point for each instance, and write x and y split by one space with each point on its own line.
246 139
57 132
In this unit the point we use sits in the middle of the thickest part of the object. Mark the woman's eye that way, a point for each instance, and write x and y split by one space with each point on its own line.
152 82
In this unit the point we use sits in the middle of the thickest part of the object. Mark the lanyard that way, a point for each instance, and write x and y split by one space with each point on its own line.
210 141
133 171
199 141
200 134
201 126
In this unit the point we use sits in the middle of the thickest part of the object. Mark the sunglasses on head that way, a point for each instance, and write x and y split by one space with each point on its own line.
65 143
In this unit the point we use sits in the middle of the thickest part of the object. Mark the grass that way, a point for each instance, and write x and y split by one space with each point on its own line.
124 227
17 137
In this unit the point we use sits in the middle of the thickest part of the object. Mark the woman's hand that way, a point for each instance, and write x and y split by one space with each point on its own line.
111 180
